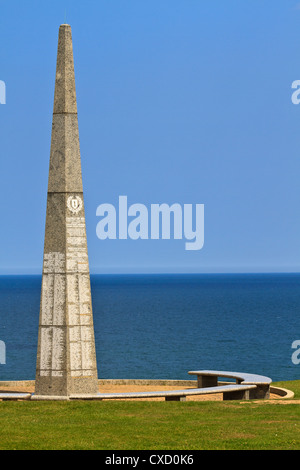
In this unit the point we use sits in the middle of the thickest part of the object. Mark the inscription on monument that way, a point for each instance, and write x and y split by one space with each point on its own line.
77 257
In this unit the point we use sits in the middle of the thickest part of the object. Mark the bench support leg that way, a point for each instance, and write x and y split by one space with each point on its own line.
237 395
205 381
261 392
175 398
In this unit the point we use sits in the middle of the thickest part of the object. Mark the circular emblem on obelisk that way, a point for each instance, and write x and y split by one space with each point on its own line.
74 204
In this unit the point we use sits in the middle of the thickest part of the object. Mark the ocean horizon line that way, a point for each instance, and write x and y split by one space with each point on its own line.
217 273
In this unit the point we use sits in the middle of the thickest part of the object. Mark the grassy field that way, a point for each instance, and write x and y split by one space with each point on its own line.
152 425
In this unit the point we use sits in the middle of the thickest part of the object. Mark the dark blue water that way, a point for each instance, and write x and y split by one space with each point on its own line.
161 326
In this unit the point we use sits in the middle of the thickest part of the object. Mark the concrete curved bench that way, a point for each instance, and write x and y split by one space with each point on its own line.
231 392
247 386
209 378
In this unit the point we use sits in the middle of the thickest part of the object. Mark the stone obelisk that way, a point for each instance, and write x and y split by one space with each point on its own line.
66 358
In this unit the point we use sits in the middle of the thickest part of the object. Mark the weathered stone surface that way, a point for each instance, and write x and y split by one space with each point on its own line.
66 359
65 167
65 92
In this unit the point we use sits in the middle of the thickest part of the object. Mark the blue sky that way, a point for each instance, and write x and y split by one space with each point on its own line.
179 102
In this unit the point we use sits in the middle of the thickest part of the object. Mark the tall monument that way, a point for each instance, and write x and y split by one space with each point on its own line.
66 358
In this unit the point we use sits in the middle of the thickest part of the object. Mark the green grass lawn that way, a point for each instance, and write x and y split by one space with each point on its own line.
137 425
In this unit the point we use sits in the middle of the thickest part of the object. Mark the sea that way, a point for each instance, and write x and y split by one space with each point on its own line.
162 326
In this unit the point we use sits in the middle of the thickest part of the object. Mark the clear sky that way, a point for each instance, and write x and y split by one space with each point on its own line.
179 101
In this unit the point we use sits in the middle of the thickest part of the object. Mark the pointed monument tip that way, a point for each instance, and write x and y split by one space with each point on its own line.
65 94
